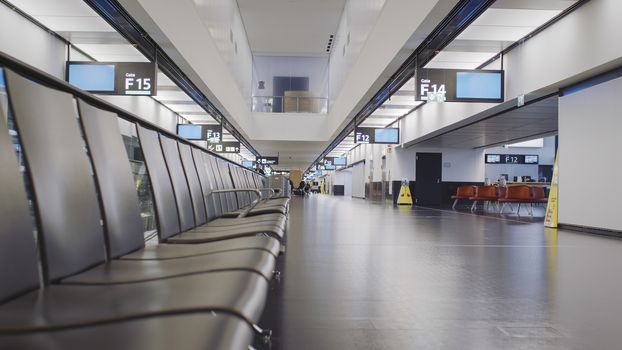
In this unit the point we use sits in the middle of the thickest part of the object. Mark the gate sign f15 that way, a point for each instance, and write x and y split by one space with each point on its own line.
459 85
114 78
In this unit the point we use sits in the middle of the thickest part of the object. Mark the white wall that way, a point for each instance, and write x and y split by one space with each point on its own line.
357 21
589 161
459 165
265 68
289 126
586 39
358 181
25 41
347 182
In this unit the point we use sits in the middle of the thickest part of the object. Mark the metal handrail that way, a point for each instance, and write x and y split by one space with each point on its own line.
322 103
245 212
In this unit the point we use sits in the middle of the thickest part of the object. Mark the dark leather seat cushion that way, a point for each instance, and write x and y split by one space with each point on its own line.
176 251
238 293
197 236
183 332
235 221
128 271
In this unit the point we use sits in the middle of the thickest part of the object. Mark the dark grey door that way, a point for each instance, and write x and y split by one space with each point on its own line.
428 190
282 84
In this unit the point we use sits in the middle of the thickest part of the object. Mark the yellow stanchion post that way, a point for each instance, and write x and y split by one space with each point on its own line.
551 207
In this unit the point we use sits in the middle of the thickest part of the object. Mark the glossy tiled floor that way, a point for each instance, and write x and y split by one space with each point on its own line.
368 276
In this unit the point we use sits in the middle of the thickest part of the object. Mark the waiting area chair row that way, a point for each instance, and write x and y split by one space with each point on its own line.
520 194
76 270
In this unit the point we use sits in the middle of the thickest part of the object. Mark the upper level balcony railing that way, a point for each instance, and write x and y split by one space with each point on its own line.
290 104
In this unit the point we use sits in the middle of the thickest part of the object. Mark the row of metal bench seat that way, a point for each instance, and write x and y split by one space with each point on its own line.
79 274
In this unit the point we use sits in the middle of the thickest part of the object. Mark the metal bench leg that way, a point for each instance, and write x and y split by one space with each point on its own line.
474 206
502 207
265 334
455 203
518 210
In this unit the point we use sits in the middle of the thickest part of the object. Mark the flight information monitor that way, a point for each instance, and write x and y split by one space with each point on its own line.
190 131
376 135
341 161
389 136
92 77
479 85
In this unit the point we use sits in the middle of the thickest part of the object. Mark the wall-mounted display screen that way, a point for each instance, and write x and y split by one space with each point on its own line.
387 135
376 135
341 161
511 159
479 85
460 85
92 77
190 131
248 164
113 78
329 167
2 83
493 158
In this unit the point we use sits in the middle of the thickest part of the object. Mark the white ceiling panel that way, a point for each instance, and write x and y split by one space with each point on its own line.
167 95
113 52
286 27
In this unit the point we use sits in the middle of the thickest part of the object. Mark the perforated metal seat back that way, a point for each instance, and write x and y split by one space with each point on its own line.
207 184
124 228
165 205
71 233
196 193
223 198
180 186
223 168
18 250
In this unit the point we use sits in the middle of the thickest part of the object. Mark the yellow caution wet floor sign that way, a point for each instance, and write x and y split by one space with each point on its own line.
550 219
405 198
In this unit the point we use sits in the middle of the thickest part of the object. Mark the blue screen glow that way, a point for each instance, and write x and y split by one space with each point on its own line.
92 77
386 136
478 85
340 161
247 163
190 131
2 83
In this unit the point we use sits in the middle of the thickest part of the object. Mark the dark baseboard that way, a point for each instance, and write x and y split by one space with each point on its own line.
591 230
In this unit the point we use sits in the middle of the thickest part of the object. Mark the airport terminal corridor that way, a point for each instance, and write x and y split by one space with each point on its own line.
359 275
310 174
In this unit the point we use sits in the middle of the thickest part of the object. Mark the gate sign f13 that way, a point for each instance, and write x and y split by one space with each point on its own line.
459 85
113 78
